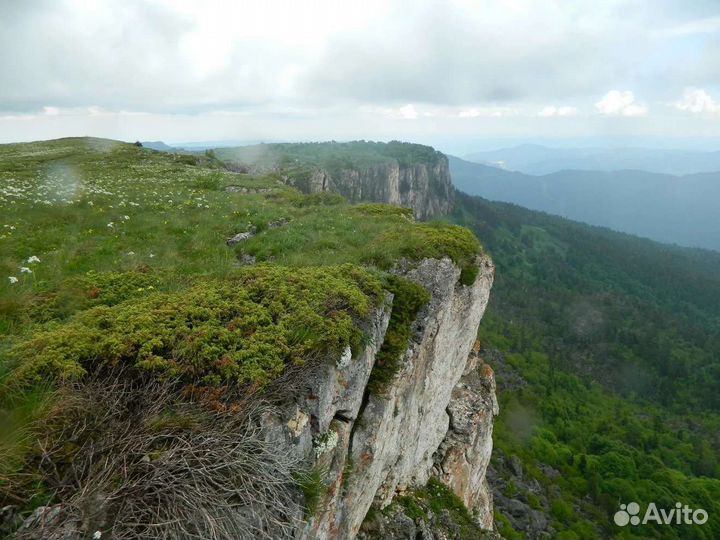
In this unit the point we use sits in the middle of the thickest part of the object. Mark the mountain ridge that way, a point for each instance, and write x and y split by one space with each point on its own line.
537 159
652 205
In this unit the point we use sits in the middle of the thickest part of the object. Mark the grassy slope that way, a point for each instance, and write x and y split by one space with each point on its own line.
133 269
574 304
330 155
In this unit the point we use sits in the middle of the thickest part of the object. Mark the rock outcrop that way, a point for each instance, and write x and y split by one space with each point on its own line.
425 186
463 457
371 447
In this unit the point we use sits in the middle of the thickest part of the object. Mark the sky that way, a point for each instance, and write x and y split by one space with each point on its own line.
453 73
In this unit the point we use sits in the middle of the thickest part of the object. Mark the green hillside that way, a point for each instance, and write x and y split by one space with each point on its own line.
673 209
116 273
332 156
607 354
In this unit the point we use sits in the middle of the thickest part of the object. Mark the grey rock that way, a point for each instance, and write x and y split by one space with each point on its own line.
425 188
371 447
246 259
398 433
278 223
463 457
516 466
241 237
242 189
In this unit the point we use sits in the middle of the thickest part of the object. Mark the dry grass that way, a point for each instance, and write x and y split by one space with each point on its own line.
129 459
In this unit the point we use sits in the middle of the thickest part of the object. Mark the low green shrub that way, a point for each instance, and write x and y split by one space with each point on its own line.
246 329
428 240
379 209
408 299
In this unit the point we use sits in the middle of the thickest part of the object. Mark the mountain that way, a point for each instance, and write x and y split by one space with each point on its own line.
538 159
674 209
173 331
400 173
159 145
606 350
192 351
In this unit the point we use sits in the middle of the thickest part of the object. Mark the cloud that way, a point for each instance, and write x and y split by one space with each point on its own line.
697 101
488 112
552 110
321 62
620 103
707 25
408 112
405 112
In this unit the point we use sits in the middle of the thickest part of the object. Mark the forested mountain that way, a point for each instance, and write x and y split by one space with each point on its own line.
538 159
675 209
607 354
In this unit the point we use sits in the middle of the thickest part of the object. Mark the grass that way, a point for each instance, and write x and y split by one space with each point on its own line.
438 499
313 486
331 156
87 205
115 255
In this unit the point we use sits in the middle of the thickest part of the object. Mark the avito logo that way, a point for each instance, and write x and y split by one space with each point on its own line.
629 514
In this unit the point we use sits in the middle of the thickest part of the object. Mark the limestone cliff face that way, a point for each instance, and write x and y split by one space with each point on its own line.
463 457
424 187
371 447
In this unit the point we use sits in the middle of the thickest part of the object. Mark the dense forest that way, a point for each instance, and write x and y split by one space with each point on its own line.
607 354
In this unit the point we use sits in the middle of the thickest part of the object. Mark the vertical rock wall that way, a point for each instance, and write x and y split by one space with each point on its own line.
370 447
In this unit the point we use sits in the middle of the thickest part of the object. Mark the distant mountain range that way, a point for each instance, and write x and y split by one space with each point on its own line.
158 145
684 210
538 159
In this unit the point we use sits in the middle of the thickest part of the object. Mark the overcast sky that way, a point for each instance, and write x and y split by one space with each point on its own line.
181 70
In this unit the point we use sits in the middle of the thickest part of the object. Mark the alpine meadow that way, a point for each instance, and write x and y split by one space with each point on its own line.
362 270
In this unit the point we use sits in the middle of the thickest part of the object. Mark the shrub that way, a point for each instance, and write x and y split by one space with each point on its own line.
378 209
440 498
210 182
246 329
429 240
408 300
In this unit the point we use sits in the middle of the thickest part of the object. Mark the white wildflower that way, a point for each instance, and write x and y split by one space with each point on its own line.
13 279
325 442
90 203
131 253
345 358
126 218
111 225
32 259
97 535
25 270
152 255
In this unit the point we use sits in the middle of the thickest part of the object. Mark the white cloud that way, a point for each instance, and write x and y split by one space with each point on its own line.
237 70
697 101
408 112
552 110
620 103
488 112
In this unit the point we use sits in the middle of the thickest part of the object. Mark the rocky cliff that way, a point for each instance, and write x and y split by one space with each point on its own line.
405 174
425 187
369 447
